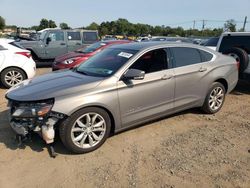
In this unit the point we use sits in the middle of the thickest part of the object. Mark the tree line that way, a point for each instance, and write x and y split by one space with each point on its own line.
124 27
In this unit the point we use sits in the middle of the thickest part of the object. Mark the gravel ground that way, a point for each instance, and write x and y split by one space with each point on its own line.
188 149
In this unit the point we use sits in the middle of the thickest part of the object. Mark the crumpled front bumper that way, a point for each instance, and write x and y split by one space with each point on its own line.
19 128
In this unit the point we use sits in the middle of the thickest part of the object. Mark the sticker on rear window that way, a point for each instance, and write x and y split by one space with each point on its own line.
125 54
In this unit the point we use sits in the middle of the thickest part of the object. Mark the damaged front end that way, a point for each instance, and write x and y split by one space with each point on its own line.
34 116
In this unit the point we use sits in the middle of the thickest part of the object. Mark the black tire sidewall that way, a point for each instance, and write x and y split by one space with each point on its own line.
243 56
66 126
4 72
206 106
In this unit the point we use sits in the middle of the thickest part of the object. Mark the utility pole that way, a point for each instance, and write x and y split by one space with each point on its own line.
203 25
244 25
194 25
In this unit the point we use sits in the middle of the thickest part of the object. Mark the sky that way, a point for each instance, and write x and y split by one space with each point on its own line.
78 13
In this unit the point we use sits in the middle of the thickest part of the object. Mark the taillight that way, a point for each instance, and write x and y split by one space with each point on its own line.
238 65
26 54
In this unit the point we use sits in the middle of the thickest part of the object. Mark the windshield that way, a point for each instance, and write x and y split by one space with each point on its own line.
16 45
106 63
92 47
42 35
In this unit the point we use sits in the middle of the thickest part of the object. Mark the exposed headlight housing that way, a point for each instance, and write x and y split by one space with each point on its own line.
31 109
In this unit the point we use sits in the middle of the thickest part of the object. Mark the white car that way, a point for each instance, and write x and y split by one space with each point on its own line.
16 63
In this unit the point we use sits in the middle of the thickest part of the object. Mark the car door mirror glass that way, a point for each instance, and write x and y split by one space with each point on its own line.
134 74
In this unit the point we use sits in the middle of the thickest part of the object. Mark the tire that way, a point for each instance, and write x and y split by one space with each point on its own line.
12 76
211 104
34 56
240 55
81 138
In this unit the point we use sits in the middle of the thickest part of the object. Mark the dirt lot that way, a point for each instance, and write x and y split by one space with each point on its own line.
185 150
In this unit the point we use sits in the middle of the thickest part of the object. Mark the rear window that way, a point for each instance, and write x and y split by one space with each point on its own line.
2 48
92 47
229 42
90 36
16 45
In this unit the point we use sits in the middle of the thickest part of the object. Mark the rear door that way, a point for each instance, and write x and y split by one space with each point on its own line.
57 46
190 69
74 40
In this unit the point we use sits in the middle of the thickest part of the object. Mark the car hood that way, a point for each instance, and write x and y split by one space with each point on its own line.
68 56
27 44
52 85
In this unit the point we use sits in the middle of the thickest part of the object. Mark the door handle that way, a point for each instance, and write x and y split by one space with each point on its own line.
166 77
62 44
202 69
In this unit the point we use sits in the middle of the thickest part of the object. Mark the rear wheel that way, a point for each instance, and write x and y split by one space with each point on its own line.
240 56
214 99
85 130
12 76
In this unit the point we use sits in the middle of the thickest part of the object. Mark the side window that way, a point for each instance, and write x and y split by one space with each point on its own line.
71 35
90 36
184 56
235 41
205 56
56 35
153 61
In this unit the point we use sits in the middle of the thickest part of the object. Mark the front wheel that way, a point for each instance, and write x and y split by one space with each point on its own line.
214 99
85 130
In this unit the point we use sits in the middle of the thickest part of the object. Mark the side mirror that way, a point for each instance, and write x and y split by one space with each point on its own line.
48 40
134 74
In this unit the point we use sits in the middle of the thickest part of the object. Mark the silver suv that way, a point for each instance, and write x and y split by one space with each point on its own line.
237 44
121 87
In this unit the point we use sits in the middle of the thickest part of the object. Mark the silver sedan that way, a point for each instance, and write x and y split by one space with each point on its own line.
118 88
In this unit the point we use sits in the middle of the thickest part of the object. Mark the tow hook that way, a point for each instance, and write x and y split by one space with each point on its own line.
51 150
21 139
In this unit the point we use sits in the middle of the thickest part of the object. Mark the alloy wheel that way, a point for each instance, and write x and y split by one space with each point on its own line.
216 98
88 130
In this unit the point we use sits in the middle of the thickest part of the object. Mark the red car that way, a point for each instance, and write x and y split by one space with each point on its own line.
75 58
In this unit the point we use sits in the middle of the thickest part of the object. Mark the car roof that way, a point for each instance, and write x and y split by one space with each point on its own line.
236 33
3 40
116 41
145 45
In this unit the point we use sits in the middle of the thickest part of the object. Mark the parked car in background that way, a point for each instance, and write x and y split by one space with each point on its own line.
237 45
79 56
16 63
171 39
142 39
55 42
211 43
120 87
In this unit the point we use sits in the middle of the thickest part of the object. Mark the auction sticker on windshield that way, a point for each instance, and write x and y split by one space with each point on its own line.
125 54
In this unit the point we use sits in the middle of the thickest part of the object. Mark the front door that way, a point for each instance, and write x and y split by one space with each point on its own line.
57 46
140 99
